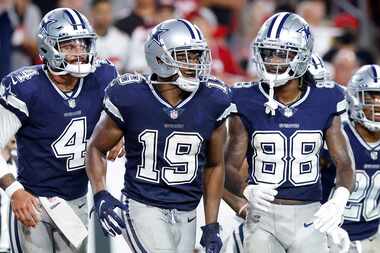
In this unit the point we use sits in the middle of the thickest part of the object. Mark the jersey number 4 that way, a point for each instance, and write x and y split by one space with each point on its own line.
181 154
273 163
71 144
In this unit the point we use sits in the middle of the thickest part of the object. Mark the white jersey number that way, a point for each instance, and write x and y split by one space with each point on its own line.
271 158
363 200
181 153
71 144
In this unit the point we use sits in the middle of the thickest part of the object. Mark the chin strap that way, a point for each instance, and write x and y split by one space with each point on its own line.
271 105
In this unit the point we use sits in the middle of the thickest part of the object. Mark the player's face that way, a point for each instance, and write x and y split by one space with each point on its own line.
189 57
276 61
371 102
75 51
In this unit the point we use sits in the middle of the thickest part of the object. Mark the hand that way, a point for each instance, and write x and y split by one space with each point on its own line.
117 151
210 238
330 214
259 196
26 208
339 237
105 205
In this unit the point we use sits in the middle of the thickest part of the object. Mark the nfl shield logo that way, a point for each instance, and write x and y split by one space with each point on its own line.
288 112
374 155
71 103
174 114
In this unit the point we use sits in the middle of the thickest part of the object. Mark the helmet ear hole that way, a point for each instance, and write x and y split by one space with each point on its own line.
159 61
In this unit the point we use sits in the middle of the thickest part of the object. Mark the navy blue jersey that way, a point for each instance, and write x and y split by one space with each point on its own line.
362 213
284 149
51 143
166 147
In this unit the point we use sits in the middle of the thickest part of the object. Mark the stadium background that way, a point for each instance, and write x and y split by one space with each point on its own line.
346 36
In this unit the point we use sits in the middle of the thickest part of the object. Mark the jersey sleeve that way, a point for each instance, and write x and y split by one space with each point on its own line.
106 72
222 95
111 103
337 103
237 99
117 95
15 97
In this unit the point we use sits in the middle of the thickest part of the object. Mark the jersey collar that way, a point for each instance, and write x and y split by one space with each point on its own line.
295 104
163 101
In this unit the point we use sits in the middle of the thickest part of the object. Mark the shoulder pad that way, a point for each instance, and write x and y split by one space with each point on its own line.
23 74
128 79
244 84
215 83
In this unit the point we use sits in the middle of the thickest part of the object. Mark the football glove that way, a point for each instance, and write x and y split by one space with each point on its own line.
105 205
211 238
259 196
330 214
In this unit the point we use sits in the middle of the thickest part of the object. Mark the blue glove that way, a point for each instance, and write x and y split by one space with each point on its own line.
210 238
104 205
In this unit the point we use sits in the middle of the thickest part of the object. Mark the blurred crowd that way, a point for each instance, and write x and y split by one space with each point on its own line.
345 31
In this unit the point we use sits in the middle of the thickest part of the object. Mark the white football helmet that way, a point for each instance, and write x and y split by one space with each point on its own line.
286 37
363 84
61 26
168 51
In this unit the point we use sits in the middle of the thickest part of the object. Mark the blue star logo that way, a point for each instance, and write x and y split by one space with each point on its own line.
306 30
157 34
5 91
45 23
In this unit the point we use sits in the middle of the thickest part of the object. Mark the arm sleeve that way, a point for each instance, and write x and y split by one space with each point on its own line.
9 125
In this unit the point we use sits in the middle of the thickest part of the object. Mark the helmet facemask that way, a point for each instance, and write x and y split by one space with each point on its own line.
365 109
278 63
74 56
194 66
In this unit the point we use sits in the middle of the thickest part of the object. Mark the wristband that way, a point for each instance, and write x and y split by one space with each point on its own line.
242 208
15 186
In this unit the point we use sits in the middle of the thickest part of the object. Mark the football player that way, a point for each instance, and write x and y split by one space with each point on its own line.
174 130
282 123
362 213
234 243
53 108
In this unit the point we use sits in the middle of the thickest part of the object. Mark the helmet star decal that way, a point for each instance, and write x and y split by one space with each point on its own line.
157 34
306 30
45 23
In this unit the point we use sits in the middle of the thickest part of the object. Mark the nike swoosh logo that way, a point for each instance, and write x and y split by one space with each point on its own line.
55 205
191 219
13 81
101 203
82 205
307 224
